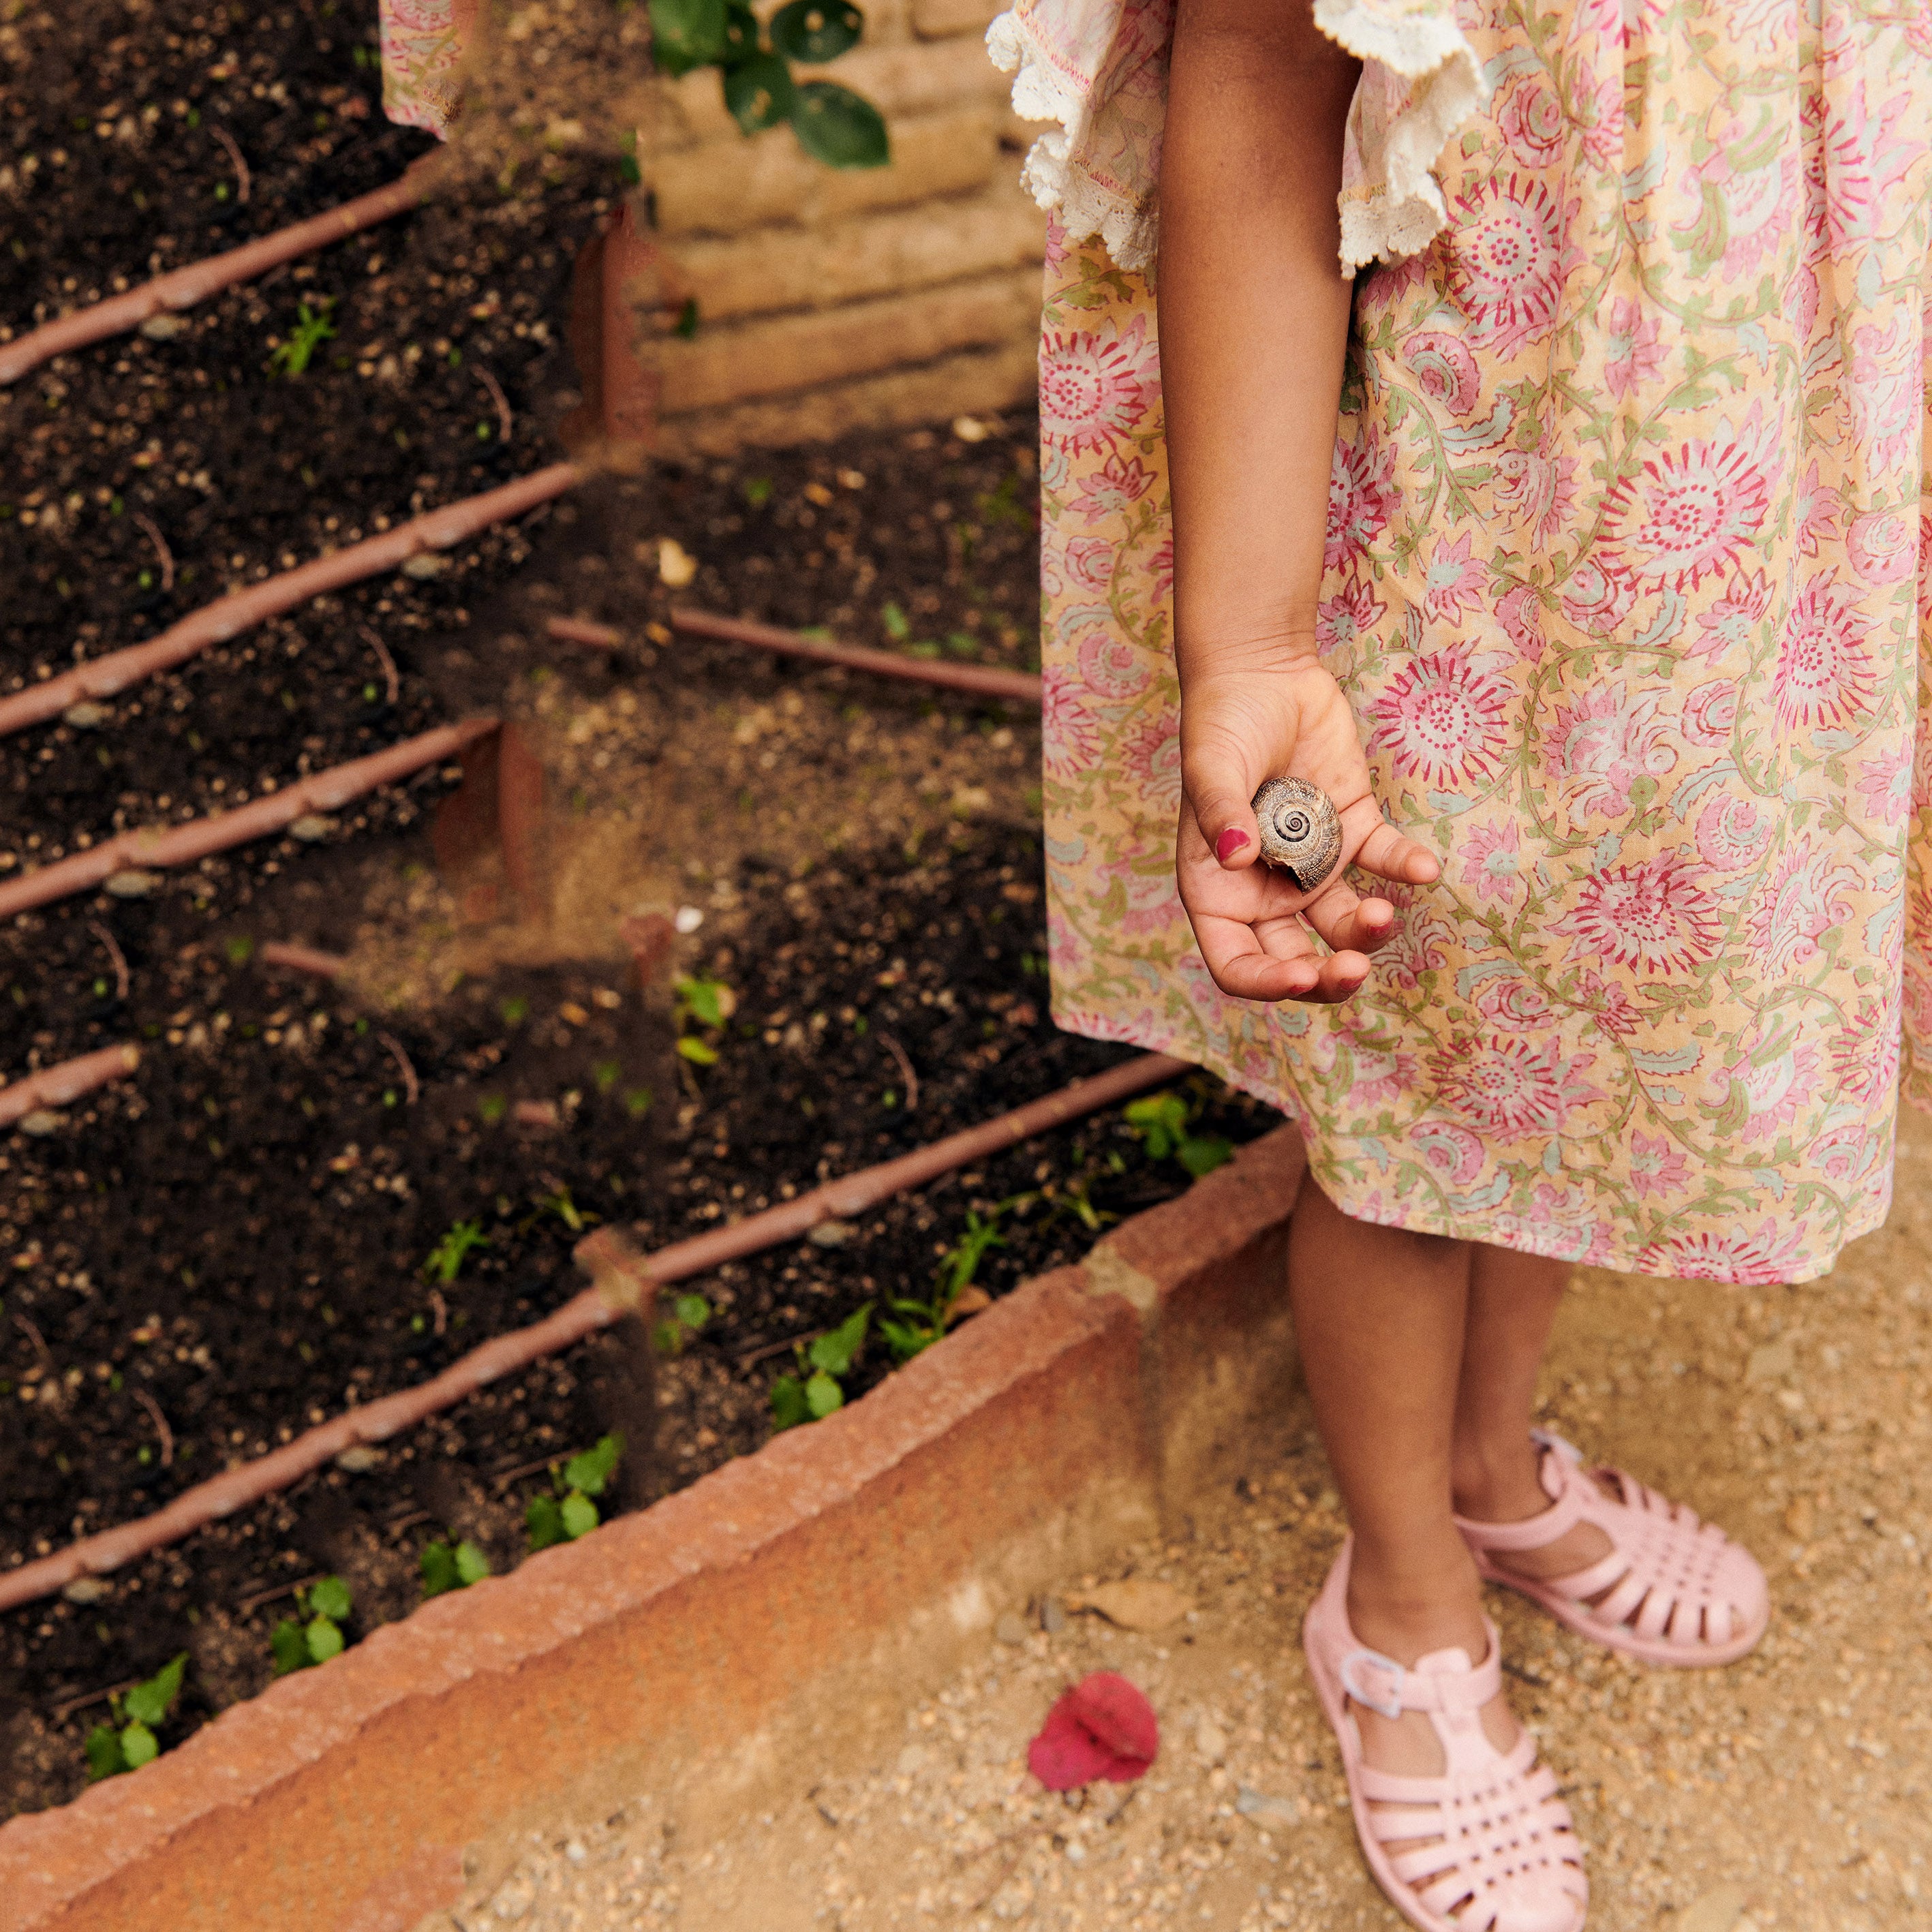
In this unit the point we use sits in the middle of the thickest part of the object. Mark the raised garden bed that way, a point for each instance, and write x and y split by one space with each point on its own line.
208 1255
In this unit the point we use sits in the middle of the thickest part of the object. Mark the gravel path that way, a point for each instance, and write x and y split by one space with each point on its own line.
1787 1792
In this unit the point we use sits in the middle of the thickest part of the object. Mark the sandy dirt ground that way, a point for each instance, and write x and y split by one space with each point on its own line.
1787 1792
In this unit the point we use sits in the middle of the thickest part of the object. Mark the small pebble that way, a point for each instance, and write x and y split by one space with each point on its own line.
86 716
831 1233
534 1113
1773 1359
575 1852
1010 1629
40 1123
677 566
87 1590
358 1458
311 828
1052 1615
1211 1741
133 884
425 565
688 918
163 328
1268 1812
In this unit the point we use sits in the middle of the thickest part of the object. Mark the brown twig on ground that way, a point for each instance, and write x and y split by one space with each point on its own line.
227 140
505 420
752 1356
622 1280
161 1422
501 1481
250 1605
296 958
584 631
57 1086
898 1053
121 981
439 1310
397 1525
182 288
228 616
67 1708
40 1342
981 680
410 1086
164 555
161 846
392 677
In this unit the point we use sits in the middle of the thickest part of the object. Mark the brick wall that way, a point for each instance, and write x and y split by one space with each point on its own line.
830 300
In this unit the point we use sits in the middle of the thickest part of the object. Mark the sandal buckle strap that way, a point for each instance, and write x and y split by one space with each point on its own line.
1397 1675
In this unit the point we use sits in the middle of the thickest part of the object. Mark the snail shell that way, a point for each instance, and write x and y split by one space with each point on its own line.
1301 831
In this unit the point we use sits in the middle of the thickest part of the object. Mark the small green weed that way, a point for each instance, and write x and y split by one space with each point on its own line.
129 1741
914 1326
1164 1123
815 1390
446 1258
313 1634
571 1512
445 1566
688 1314
312 329
701 1003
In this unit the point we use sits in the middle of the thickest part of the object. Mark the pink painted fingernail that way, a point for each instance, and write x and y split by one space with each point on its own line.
1230 842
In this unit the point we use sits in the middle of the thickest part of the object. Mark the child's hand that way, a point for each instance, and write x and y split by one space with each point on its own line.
1239 728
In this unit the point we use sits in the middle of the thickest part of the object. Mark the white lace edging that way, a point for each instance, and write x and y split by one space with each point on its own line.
1083 206
1403 212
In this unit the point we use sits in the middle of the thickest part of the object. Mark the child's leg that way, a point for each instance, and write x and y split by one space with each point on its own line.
1379 1316
1512 1303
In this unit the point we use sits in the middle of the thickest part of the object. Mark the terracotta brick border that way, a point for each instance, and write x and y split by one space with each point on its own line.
801 1592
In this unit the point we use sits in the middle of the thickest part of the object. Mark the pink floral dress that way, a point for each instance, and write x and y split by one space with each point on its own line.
1628 577
422 45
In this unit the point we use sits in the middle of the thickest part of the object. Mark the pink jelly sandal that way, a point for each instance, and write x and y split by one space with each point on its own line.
1507 1858
1678 1591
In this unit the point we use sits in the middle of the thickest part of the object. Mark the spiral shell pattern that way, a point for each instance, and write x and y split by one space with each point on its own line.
1301 830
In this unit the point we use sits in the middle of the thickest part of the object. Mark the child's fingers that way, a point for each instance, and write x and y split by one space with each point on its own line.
1348 922
1288 968
1390 854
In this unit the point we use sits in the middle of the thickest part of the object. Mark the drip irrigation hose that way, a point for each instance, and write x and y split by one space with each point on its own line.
227 617
154 846
60 1086
182 288
622 1281
981 680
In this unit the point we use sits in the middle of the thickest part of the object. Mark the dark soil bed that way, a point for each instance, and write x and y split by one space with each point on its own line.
202 1261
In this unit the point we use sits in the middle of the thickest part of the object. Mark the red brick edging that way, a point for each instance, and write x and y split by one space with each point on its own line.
809 1586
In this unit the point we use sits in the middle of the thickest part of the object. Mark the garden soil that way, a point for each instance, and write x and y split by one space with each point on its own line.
316 1191
1787 1793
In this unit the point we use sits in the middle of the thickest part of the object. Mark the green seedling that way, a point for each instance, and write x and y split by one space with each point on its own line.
312 329
565 1210
313 1634
129 1741
446 1566
446 1258
914 1326
688 1314
702 1003
1164 1123
816 1389
757 491
571 1512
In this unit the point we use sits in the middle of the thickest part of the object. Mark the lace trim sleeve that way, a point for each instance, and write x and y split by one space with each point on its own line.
1099 68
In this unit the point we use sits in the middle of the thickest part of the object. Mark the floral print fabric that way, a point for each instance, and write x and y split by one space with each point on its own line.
1624 576
422 43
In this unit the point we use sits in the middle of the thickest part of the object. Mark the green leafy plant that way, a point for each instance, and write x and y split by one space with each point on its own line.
913 1326
313 1634
312 329
816 1389
688 1314
445 1566
833 124
446 1258
1165 1123
705 1003
129 1741
571 1512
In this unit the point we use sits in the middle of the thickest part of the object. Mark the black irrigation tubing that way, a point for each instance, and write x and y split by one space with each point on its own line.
623 1281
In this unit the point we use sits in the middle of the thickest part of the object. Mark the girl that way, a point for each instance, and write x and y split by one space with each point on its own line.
1596 610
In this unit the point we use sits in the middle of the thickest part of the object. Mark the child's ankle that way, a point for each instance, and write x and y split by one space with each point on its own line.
1497 1484
1405 1611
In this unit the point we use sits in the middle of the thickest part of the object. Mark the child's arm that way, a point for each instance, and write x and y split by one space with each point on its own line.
1254 321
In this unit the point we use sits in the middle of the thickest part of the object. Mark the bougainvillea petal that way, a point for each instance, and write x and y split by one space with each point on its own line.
1103 1727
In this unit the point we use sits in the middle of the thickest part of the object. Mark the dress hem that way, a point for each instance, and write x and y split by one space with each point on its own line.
1520 1241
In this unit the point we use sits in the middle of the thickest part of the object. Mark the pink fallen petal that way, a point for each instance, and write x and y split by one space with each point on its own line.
1103 1727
